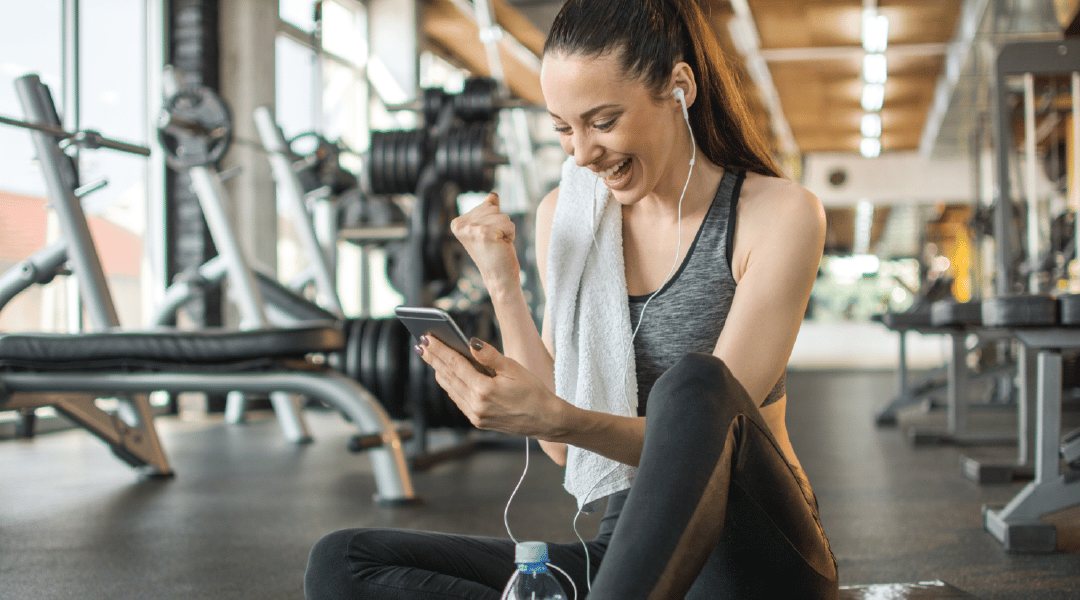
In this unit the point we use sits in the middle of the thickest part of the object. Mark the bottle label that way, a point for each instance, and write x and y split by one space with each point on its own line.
532 568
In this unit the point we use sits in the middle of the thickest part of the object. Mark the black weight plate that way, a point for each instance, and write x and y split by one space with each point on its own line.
433 103
1020 311
195 127
388 364
375 163
368 346
476 159
352 349
415 157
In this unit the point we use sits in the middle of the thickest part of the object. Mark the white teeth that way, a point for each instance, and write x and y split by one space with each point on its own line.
609 172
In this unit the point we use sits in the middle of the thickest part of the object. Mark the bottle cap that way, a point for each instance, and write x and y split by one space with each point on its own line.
531 552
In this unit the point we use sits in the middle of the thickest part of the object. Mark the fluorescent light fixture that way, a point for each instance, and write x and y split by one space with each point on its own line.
871 125
875 31
870 147
874 68
873 96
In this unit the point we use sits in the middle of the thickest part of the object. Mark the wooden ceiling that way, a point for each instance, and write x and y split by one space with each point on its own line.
812 50
814 53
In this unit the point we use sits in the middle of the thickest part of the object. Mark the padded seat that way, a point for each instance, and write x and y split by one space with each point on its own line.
916 318
953 313
1020 311
1069 309
166 349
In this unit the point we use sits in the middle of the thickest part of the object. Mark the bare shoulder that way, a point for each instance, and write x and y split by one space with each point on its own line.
777 215
545 215
774 200
545 211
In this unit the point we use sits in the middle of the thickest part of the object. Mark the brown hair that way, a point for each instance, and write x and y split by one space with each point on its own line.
650 37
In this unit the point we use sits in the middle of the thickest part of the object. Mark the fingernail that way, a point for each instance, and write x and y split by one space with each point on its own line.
424 341
418 349
476 344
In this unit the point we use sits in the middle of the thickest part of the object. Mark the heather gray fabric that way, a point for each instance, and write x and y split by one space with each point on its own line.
689 312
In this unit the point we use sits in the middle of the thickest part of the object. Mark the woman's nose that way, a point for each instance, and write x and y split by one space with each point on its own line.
583 149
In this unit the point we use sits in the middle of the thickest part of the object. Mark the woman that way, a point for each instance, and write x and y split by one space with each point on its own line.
669 198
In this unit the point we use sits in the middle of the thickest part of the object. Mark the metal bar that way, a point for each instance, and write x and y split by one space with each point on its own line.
61 180
958 386
243 289
1074 184
1048 417
40 267
1030 173
390 468
291 194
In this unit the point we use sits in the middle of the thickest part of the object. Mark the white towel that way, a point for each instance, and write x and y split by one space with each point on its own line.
590 323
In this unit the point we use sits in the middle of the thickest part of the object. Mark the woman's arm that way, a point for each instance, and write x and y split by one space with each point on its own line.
778 244
488 235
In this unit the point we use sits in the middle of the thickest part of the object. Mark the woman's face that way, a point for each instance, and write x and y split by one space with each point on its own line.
613 125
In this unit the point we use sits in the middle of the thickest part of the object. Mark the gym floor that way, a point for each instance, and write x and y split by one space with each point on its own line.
246 506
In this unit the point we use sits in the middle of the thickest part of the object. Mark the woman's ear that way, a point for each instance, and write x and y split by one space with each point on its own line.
682 77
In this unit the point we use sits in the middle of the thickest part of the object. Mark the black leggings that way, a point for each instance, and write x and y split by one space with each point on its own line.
715 512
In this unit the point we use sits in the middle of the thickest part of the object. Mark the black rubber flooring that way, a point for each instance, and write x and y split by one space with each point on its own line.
246 506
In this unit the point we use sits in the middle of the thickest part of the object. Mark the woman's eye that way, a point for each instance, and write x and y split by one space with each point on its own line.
605 125
561 128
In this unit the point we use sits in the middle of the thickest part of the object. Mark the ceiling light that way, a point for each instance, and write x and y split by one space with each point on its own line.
871 125
873 96
874 68
870 147
875 31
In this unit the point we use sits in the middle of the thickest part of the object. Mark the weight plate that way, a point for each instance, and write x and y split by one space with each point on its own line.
368 346
352 349
194 128
392 372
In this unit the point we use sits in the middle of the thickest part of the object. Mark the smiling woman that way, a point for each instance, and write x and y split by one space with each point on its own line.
677 266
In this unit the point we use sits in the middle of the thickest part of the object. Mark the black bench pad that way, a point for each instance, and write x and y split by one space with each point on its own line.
206 347
916 318
952 313
1020 311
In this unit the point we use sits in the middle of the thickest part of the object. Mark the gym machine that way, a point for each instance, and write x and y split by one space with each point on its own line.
452 152
1045 325
70 371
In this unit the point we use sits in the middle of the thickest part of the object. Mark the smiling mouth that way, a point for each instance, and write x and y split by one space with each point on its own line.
606 173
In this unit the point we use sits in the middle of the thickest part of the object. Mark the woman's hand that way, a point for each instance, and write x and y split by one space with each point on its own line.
513 401
488 237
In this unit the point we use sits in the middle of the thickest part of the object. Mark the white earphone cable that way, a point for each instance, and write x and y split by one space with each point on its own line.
678 93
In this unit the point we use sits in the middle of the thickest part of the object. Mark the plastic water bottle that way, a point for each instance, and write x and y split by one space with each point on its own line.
532 580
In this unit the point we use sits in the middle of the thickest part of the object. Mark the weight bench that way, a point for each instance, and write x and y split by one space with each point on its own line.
956 320
959 320
1046 326
70 371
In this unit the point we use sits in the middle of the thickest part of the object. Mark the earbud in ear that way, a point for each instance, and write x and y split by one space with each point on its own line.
681 97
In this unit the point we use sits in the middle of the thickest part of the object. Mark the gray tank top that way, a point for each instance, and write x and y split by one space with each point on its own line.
689 312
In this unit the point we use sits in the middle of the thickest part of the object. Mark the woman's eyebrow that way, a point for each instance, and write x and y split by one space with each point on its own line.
585 116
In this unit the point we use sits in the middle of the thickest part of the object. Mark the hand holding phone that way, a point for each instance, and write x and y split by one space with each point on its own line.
421 321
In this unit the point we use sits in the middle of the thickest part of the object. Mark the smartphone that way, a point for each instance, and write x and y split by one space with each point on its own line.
436 322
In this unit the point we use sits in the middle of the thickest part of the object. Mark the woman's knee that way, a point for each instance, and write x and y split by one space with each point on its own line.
698 385
328 569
